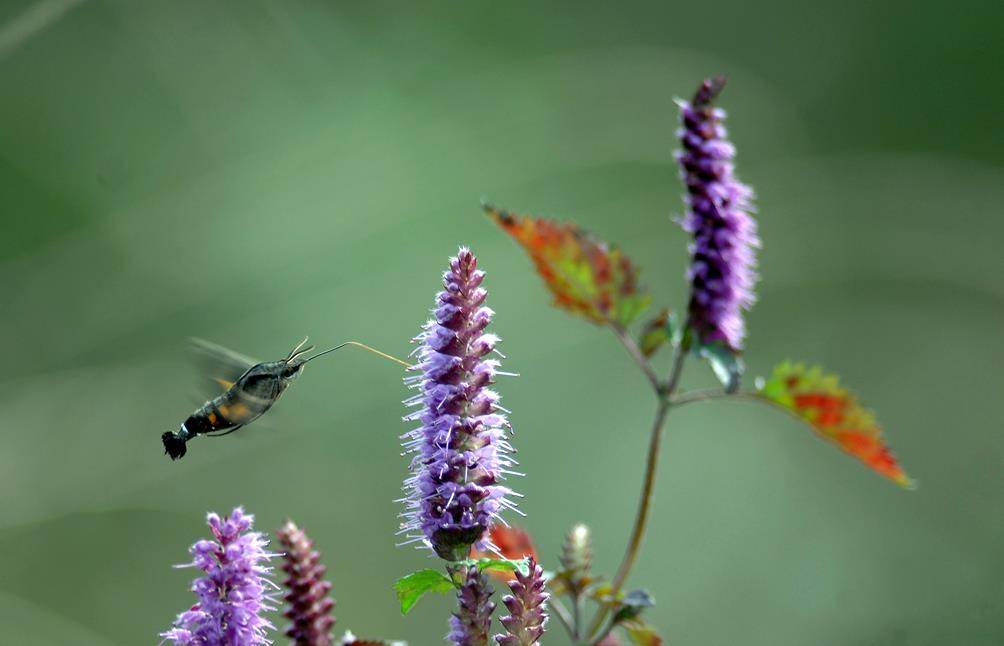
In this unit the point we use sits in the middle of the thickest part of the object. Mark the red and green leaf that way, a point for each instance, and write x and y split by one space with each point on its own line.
657 332
586 276
834 413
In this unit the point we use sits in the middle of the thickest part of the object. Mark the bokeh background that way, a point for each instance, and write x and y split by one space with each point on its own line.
251 172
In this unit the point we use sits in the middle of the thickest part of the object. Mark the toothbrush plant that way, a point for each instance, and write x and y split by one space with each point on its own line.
308 600
236 591
460 454
233 592
597 282
458 444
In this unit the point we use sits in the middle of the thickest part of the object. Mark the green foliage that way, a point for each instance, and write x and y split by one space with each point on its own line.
498 565
632 604
658 331
725 363
412 587
505 565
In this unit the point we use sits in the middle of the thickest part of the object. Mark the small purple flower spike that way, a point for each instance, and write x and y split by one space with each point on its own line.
232 593
461 450
472 622
527 608
308 600
722 264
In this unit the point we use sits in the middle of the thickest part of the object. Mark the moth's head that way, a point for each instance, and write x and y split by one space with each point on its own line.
293 363
292 369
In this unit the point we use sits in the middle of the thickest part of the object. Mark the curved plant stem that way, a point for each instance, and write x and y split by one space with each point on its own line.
606 631
577 614
677 369
559 610
664 392
713 393
641 518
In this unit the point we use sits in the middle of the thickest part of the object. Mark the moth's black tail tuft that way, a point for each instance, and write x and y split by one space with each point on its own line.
173 445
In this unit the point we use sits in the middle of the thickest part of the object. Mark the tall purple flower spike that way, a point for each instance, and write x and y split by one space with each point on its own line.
471 623
461 451
232 593
721 271
527 616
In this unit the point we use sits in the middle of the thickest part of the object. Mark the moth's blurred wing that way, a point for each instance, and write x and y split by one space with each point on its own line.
219 368
254 394
250 398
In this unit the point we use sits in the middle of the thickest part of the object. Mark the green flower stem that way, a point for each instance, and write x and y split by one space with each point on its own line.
665 402
606 631
559 610
679 357
641 518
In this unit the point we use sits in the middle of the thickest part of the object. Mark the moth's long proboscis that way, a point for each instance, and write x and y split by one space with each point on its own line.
364 347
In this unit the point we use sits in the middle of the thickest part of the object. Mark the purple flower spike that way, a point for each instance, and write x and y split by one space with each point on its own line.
232 593
461 448
472 622
527 610
722 264
308 598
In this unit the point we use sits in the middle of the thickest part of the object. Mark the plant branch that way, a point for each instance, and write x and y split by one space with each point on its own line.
679 356
606 631
577 616
636 353
712 393
561 612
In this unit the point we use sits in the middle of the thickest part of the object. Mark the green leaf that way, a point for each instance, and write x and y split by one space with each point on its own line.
657 332
601 594
504 565
725 363
412 587
630 308
632 605
585 275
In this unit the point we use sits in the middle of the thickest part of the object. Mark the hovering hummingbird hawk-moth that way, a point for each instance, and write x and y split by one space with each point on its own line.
251 388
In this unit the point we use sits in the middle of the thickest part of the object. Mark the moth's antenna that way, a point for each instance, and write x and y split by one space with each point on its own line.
364 347
299 349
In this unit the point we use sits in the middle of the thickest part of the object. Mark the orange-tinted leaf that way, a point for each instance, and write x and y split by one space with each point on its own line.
514 543
642 634
585 275
818 398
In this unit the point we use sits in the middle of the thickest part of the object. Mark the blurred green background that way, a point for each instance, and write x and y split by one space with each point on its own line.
251 172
